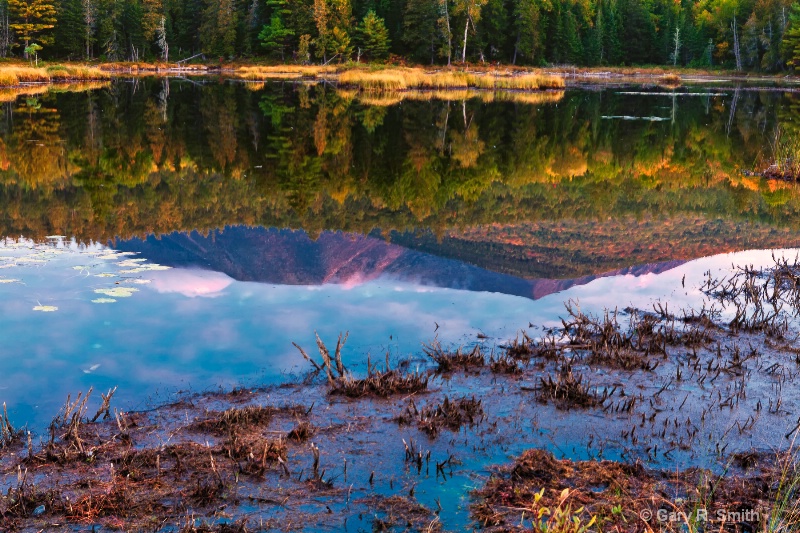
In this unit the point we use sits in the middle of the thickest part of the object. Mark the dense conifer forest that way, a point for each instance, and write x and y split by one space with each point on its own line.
747 35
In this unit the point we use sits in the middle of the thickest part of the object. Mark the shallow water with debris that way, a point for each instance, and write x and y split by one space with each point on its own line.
166 253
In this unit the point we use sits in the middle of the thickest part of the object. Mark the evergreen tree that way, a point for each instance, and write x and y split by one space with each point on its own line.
31 19
421 34
494 36
68 29
275 35
790 47
373 37
218 30
530 25
322 21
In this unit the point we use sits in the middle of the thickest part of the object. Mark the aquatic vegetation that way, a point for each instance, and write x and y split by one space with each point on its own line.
448 361
235 419
45 308
118 292
7 432
9 280
569 390
103 301
449 414
381 383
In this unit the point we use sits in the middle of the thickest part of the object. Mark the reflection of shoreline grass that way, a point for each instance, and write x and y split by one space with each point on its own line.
390 98
10 94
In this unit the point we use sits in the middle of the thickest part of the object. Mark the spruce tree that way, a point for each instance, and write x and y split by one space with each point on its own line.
373 37
421 35
274 36
790 47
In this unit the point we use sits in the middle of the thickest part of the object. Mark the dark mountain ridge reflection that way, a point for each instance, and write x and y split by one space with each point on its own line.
291 257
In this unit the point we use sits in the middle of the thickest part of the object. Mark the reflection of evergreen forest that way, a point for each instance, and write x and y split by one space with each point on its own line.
155 156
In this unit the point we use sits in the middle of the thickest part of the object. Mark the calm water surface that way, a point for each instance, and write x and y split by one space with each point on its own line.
179 235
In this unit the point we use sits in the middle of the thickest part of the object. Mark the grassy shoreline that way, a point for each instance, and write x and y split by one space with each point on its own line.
377 78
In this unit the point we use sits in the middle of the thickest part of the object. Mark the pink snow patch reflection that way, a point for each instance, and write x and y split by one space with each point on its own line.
191 283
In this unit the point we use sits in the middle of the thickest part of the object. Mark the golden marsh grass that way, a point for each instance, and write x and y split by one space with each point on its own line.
11 76
407 78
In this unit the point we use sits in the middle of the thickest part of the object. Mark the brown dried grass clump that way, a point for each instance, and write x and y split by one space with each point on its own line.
613 493
569 390
236 418
301 433
8 435
504 365
452 415
401 512
448 361
381 383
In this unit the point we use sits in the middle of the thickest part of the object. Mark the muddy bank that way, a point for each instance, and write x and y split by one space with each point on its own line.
631 410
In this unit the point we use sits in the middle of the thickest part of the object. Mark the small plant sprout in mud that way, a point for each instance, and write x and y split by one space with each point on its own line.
7 432
382 383
560 518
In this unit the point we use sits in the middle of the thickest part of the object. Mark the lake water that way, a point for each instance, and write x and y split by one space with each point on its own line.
173 235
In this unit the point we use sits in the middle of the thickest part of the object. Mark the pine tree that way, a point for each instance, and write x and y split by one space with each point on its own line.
218 30
68 29
88 25
31 19
420 32
373 37
322 21
274 36
530 26
790 47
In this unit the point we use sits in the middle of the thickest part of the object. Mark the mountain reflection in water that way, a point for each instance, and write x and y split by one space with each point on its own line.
289 257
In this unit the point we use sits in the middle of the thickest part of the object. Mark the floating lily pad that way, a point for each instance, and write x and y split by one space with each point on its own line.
117 292
45 308
8 280
131 262
114 255
106 275
155 266
103 301
139 281
133 271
